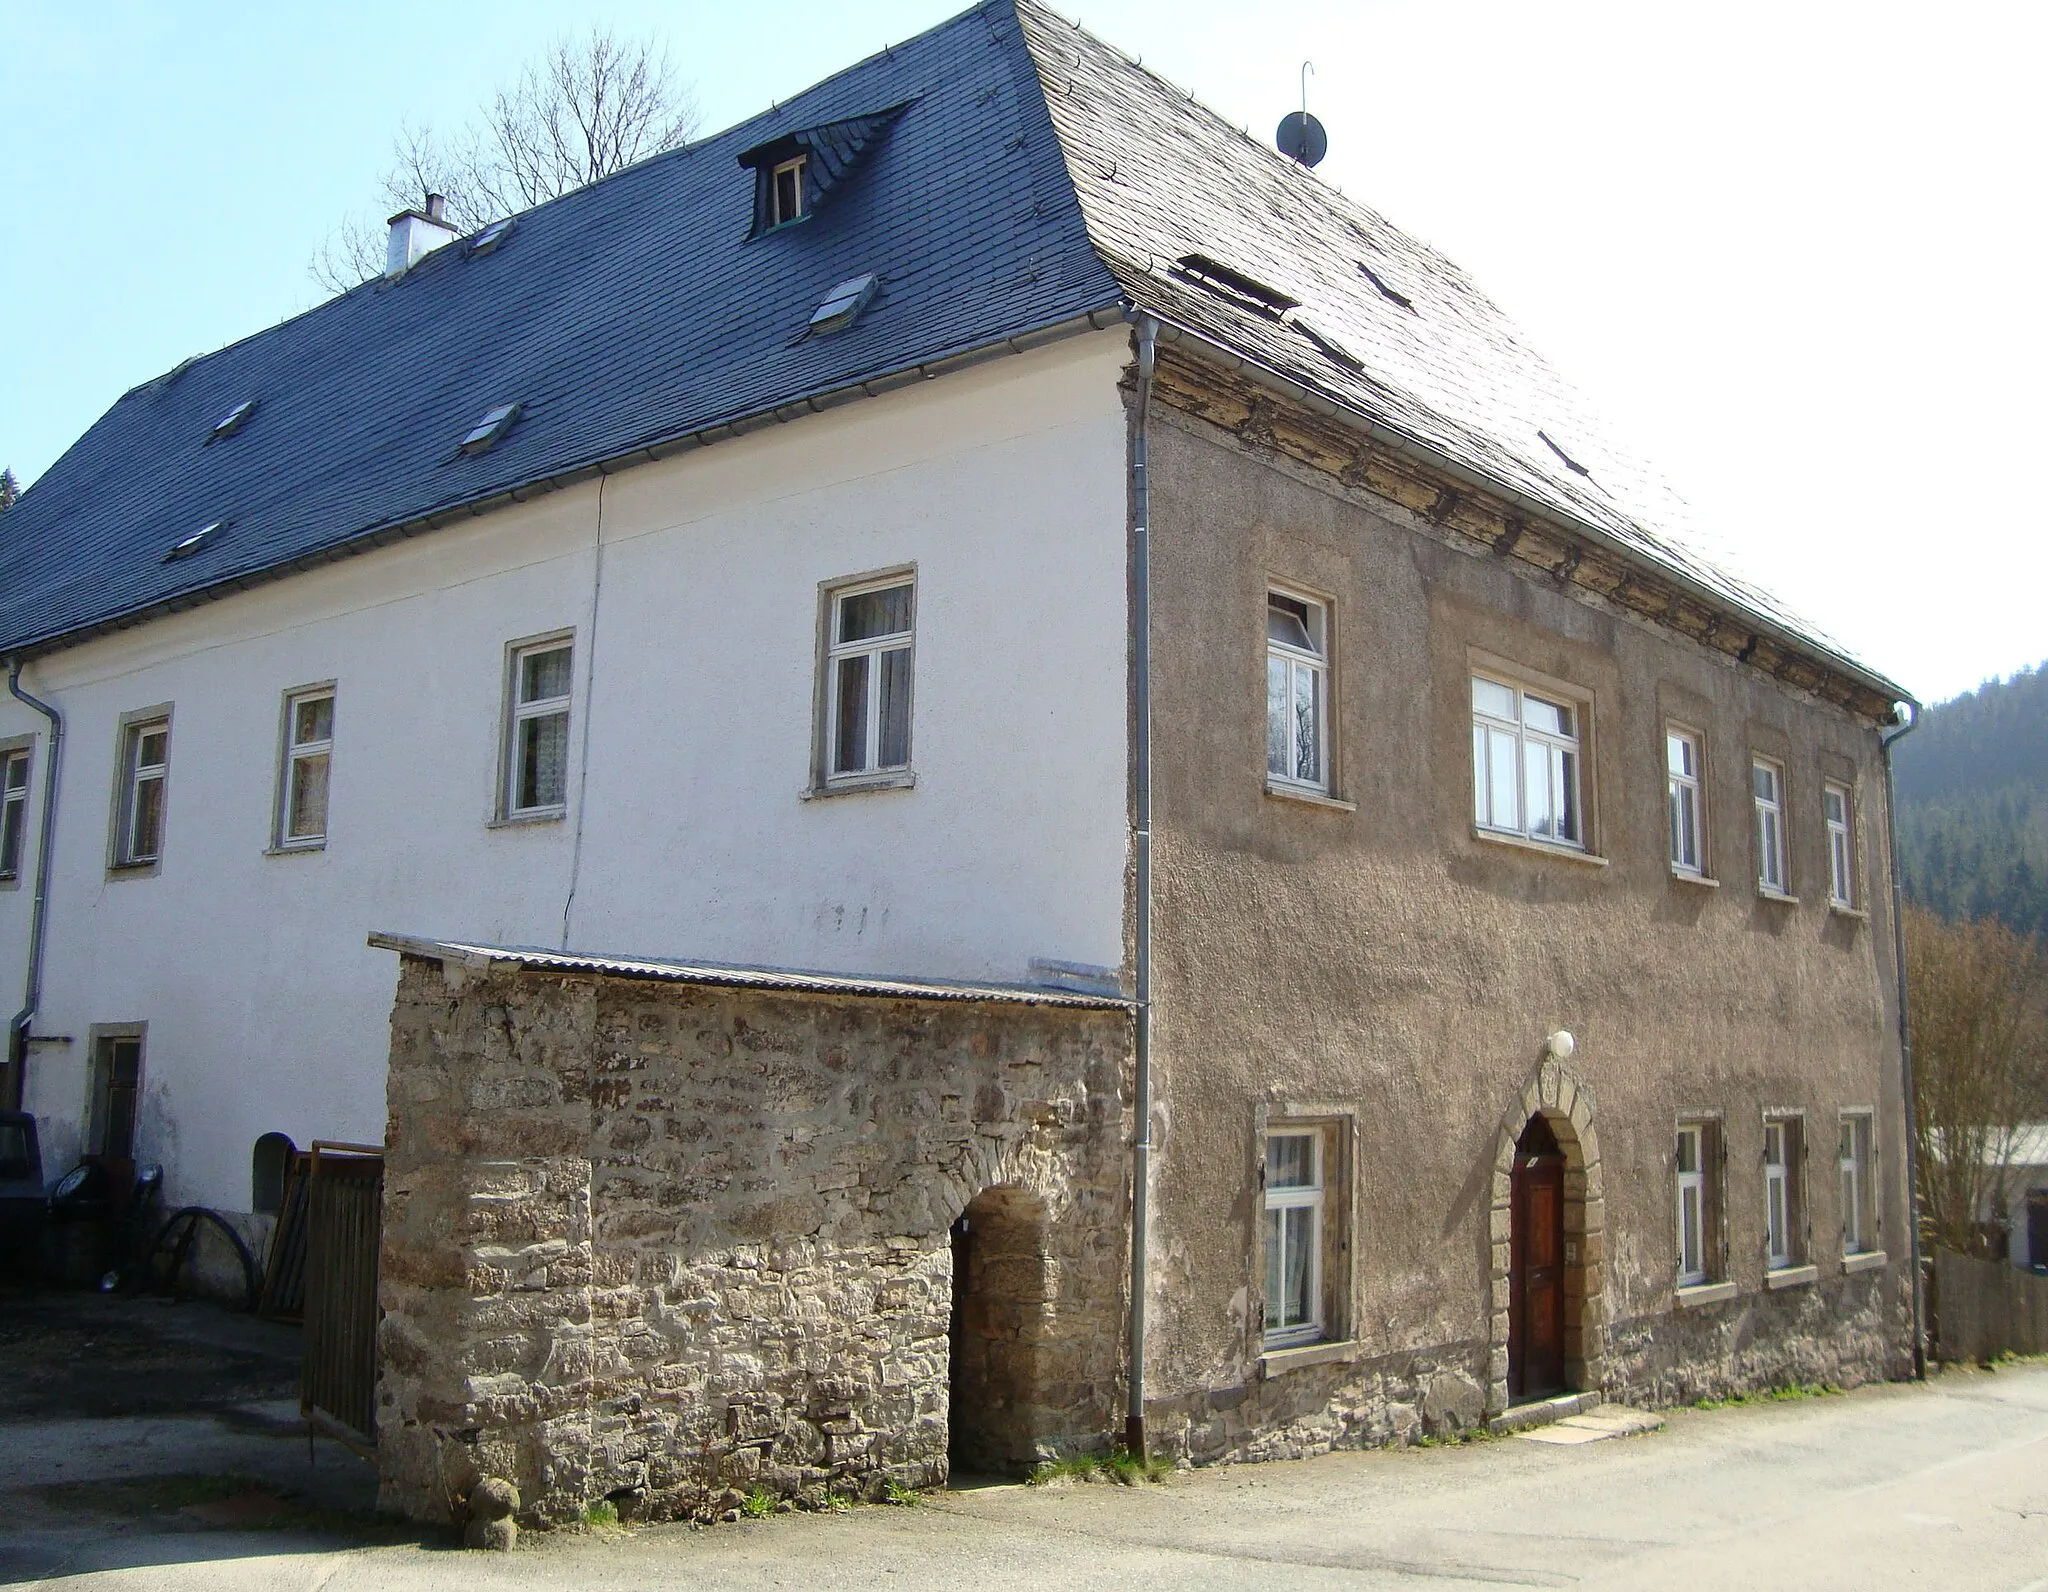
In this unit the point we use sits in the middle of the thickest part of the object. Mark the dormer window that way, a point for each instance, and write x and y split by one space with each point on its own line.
796 171
786 192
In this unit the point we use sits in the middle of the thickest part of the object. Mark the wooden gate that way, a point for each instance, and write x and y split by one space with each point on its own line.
344 1217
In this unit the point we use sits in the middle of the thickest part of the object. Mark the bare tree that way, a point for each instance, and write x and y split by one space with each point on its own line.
588 108
1977 993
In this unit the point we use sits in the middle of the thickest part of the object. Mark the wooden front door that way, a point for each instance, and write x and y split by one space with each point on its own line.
1536 1266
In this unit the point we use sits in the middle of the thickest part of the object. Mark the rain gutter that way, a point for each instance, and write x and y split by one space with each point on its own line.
39 914
1891 828
1141 845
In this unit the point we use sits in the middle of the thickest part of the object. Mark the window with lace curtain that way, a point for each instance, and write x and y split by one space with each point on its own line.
536 773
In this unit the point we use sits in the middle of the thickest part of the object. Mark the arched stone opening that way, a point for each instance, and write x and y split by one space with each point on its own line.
1003 1285
1553 1114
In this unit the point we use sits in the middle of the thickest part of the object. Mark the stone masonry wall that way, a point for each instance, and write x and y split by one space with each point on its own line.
667 1243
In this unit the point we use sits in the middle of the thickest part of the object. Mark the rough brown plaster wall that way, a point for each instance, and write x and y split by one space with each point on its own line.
1389 960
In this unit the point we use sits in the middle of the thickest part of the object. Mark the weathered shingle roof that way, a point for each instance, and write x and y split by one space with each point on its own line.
1032 176
1386 326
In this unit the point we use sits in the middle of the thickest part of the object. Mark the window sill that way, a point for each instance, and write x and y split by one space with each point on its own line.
1278 1362
899 779
553 815
1697 1294
1865 1260
1698 881
1792 1277
1854 914
1541 848
1765 893
301 849
133 870
1314 798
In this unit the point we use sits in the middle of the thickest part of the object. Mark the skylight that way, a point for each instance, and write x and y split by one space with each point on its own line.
232 421
844 303
1392 294
1232 283
488 430
191 544
489 238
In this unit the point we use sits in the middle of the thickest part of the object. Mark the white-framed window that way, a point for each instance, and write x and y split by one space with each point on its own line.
1836 806
868 641
1682 775
139 797
308 758
536 774
1693 1147
1294 1236
1767 786
1525 763
786 191
1297 692
1859 1225
14 766
1782 1217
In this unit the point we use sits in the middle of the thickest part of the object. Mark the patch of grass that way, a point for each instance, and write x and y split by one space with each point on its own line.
758 1504
838 1503
1789 1393
1119 1465
894 1492
602 1513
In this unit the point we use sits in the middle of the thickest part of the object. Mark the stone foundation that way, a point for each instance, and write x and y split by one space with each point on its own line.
667 1243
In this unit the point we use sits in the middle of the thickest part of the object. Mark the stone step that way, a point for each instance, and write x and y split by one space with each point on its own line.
1595 1425
1542 1412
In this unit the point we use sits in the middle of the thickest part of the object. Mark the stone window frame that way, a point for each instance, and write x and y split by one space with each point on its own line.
1321 660
823 782
14 802
122 862
1517 677
1337 1124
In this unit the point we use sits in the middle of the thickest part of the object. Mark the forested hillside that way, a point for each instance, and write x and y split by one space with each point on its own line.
1973 804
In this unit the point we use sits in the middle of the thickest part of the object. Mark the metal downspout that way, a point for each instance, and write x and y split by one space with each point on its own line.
18 1030
1891 824
1141 805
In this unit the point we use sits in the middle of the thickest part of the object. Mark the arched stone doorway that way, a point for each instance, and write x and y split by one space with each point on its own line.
1002 1298
1547 1149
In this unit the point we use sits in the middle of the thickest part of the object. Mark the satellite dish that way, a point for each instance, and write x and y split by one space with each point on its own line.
1301 137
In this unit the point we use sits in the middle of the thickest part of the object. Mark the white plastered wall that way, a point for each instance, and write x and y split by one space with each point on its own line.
1003 485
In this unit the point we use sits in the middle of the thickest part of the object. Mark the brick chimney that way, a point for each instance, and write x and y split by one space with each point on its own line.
415 233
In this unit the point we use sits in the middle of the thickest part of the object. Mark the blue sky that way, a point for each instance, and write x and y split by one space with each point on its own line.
1791 250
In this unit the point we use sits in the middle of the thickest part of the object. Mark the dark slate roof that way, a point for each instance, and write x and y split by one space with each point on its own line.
533 959
1004 173
633 311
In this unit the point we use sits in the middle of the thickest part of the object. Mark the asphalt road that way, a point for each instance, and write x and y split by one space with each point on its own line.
1940 1486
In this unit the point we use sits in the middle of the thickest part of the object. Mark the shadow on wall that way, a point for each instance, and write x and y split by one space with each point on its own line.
1000 1333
